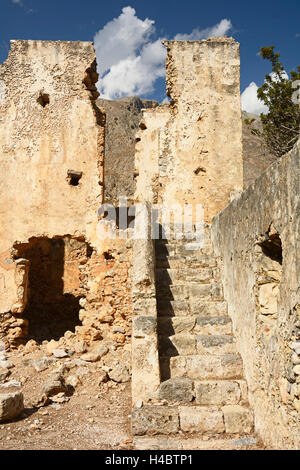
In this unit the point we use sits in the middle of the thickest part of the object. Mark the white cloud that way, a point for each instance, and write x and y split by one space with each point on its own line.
197 34
18 2
250 102
121 38
275 77
130 60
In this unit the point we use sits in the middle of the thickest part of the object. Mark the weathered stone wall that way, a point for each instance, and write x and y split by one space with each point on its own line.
145 362
51 152
148 150
262 291
106 311
201 150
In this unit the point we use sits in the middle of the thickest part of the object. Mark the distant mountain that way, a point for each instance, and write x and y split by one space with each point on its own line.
255 156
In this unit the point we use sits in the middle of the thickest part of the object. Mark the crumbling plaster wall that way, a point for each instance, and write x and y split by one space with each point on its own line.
201 151
50 124
264 297
148 152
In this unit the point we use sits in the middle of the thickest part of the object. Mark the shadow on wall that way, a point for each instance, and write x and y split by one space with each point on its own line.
165 306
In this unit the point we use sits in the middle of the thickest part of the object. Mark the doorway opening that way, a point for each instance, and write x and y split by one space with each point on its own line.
54 285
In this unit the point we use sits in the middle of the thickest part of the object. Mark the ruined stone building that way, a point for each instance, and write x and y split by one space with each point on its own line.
210 330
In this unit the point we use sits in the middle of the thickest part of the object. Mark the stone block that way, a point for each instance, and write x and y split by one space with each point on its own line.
222 392
172 291
172 307
177 390
238 419
200 292
144 305
214 325
183 343
175 325
196 275
155 420
177 366
208 308
144 325
228 366
215 344
201 419
11 405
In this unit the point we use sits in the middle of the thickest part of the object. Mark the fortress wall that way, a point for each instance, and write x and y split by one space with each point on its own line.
257 239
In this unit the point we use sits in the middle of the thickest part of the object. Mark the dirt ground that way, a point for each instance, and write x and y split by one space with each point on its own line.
96 416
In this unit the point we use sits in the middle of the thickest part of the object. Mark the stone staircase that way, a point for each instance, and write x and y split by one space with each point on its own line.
201 371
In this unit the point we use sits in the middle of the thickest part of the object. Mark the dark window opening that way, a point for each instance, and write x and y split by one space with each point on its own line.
108 256
272 246
74 177
43 99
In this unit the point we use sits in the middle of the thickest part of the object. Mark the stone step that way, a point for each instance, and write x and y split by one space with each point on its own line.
180 308
221 392
172 308
194 249
164 250
169 276
202 367
209 392
186 344
186 234
216 344
174 262
177 262
154 419
187 238
172 292
205 292
208 308
169 326
162 442
214 325
180 256
194 292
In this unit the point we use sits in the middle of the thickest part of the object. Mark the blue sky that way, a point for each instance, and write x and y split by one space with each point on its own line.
253 24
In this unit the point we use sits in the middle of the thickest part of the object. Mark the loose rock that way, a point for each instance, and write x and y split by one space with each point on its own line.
119 374
4 373
11 405
60 353
43 363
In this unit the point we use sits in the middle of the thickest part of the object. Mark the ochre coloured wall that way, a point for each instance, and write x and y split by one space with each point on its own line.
200 157
49 126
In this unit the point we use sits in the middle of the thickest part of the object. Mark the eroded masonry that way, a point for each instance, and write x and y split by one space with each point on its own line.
209 332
